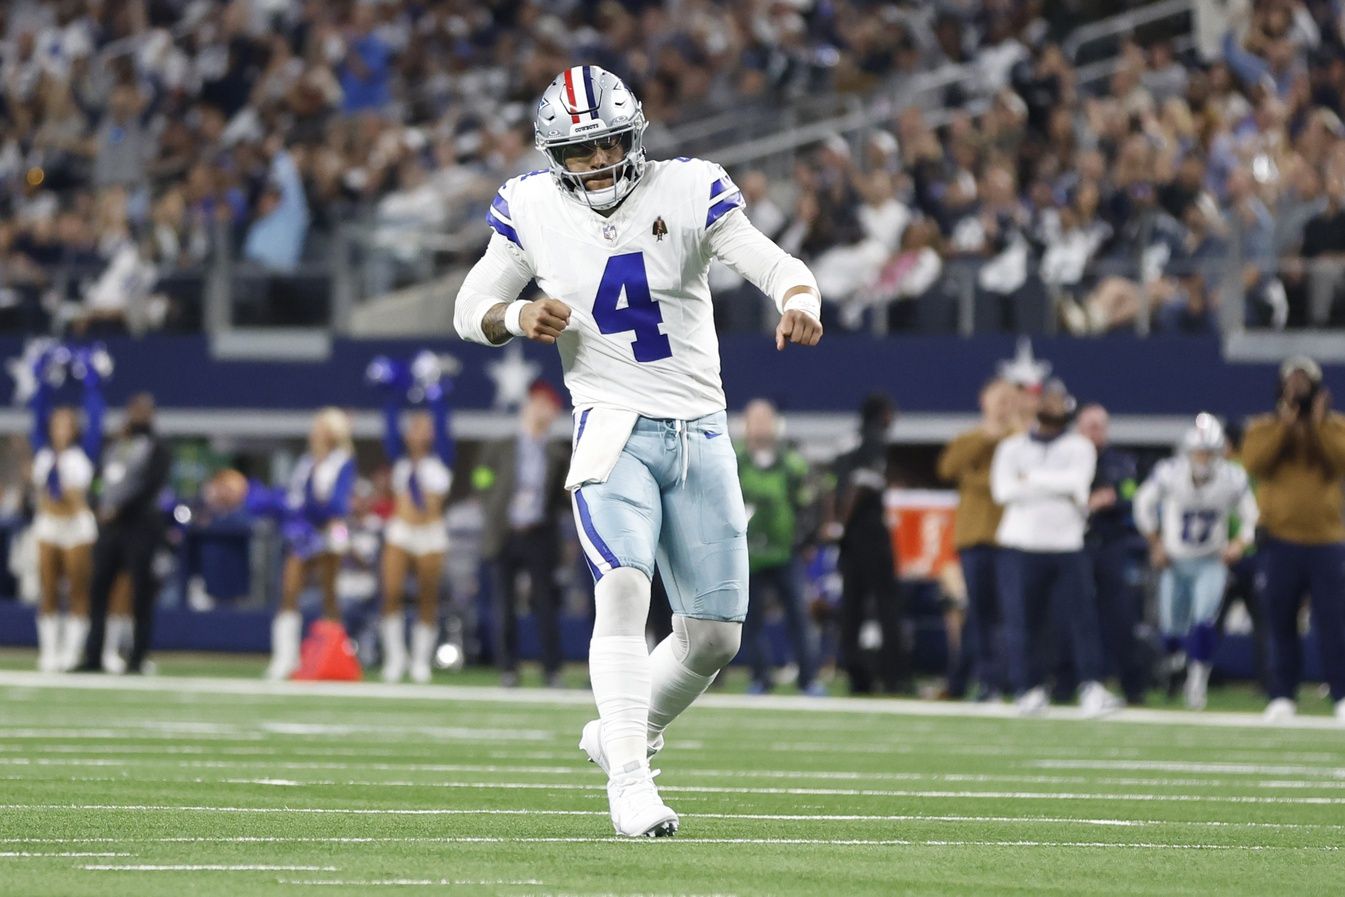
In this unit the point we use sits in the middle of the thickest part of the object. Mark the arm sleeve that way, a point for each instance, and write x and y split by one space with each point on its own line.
1331 432
499 276
393 446
1262 445
755 258
956 457
1146 503
1072 479
1005 486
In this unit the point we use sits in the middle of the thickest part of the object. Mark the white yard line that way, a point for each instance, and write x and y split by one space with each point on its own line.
763 817
570 770
578 698
596 788
14 854
1248 769
208 867
408 882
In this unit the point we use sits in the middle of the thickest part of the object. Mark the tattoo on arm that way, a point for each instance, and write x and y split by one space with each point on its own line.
492 325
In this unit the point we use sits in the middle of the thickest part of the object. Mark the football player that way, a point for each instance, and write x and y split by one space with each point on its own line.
620 245
1183 509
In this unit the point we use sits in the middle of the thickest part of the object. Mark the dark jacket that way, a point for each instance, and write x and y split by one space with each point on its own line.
495 477
135 471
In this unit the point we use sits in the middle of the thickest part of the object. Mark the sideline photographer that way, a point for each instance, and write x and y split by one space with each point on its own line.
1297 457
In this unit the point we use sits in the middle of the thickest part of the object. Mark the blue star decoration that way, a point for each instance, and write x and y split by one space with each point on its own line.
512 376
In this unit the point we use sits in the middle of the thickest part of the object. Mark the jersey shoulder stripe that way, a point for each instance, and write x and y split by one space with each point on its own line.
724 198
500 215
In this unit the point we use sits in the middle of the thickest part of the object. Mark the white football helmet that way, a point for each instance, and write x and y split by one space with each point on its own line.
584 107
1203 445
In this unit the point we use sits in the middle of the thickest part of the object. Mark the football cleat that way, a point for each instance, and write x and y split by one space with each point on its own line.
1279 710
1032 702
1096 701
590 742
637 809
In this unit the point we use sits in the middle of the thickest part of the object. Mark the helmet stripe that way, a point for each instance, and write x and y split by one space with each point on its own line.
569 95
592 92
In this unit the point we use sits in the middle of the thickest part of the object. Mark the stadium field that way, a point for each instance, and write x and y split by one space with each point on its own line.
215 786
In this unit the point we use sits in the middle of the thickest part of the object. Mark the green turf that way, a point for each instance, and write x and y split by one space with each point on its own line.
969 806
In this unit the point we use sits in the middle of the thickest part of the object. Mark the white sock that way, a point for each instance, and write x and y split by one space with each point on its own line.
618 666
48 643
392 636
685 664
72 641
1199 673
118 633
286 631
424 639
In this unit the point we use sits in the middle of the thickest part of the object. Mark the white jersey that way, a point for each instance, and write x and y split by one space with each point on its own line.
1193 518
641 335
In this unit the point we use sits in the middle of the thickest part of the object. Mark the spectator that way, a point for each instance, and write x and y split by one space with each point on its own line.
276 238
1297 459
777 492
124 145
524 495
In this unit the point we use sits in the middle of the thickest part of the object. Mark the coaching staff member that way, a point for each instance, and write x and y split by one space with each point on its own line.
1297 458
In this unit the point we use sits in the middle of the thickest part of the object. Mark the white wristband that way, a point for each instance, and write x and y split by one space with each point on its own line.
808 303
511 315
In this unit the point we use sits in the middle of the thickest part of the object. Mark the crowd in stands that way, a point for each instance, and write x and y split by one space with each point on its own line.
138 136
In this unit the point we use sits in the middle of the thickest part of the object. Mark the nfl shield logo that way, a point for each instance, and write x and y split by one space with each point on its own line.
609 232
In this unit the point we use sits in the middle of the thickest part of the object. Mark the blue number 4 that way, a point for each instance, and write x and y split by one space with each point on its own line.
625 273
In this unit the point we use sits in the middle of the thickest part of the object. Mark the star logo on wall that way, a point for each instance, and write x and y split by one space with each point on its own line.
21 369
1024 369
512 376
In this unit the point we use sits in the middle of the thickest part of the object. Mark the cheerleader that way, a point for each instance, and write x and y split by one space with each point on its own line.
315 534
415 539
64 526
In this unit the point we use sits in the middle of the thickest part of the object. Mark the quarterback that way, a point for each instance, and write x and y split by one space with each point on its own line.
620 246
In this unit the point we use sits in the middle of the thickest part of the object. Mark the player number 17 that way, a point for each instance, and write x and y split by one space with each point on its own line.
626 273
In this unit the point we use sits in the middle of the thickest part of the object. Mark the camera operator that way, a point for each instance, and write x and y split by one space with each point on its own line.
1297 457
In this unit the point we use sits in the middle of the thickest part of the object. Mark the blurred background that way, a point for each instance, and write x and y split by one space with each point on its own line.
245 203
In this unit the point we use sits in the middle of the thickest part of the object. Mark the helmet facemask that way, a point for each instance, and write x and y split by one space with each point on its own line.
624 172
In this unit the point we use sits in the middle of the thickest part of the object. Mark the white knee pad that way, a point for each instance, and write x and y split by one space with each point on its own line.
706 646
621 603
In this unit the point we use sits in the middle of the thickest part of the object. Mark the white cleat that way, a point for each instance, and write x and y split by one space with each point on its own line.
637 809
1095 701
420 673
1032 702
1340 710
590 742
1281 709
1197 685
